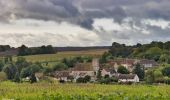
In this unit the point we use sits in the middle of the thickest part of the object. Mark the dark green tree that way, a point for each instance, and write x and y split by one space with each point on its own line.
17 77
139 70
33 78
122 70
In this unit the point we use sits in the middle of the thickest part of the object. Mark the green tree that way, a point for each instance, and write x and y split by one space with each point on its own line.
139 70
33 78
166 71
10 71
17 77
1 65
158 76
122 70
60 66
99 76
3 76
149 76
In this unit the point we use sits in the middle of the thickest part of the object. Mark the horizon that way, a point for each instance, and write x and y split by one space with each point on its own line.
82 23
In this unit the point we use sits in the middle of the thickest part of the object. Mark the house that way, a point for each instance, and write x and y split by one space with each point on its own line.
61 75
148 63
84 69
108 71
127 63
127 78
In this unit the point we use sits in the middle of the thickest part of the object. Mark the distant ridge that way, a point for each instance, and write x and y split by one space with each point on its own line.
59 49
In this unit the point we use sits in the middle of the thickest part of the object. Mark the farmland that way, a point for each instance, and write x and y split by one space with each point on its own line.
60 55
56 91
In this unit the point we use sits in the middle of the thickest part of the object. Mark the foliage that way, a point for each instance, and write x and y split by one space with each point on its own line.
122 70
83 80
23 50
149 77
17 77
166 71
1 65
10 71
60 67
105 57
3 76
139 70
33 78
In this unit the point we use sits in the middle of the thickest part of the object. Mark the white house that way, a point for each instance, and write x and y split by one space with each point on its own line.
127 78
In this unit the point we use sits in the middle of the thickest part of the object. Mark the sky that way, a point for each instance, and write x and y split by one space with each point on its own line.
83 22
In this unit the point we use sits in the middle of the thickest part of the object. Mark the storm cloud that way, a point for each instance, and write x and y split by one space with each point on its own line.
101 22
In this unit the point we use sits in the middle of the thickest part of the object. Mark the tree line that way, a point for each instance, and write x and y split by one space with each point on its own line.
157 51
24 50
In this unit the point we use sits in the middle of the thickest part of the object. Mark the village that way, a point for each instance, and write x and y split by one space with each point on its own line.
93 70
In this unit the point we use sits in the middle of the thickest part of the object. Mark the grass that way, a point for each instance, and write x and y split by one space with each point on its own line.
55 91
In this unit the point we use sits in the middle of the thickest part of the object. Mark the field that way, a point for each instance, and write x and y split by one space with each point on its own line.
52 59
56 91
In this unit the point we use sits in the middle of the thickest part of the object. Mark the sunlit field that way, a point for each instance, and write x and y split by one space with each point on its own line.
60 55
56 91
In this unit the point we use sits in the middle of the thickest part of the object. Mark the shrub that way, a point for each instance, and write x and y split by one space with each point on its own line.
3 76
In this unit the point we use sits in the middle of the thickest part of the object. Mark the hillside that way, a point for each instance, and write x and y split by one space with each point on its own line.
60 55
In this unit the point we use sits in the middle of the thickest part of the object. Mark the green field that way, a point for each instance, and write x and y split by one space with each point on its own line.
56 91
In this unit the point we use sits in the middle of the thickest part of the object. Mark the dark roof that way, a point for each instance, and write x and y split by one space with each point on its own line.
59 74
125 76
83 67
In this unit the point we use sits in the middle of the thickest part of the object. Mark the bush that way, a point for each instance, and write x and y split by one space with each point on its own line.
60 67
3 76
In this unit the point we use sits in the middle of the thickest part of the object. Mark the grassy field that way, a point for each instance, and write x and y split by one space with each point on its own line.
55 91
60 55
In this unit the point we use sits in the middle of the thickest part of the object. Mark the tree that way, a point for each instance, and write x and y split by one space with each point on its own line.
3 76
1 65
60 66
17 77
139 70
26 72
150 76
122 70
158 76
10 71
23 50
87 78
99 76
33 78
21 63
166 71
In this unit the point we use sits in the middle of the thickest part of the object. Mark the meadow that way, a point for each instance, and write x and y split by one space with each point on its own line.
56 91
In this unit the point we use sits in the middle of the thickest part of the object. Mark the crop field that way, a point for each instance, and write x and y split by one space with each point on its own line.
56 91
60 55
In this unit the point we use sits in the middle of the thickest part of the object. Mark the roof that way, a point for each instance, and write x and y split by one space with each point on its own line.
59 74
145 61
122 61
83 67
125 76
111 70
